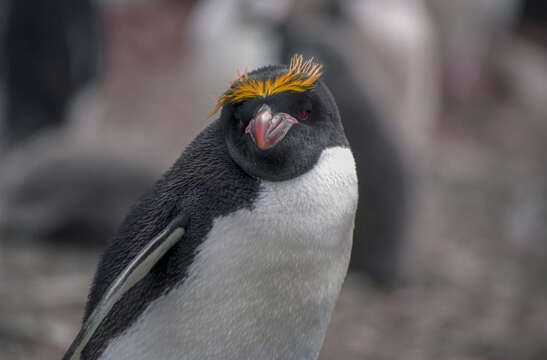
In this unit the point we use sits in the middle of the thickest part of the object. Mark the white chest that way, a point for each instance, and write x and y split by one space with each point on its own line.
265 280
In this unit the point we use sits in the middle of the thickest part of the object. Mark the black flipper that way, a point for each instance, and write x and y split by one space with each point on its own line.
135 271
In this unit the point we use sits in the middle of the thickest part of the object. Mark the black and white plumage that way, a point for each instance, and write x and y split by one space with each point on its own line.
383 178
267 196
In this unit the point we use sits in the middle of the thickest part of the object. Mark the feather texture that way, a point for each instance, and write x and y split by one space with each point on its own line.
300 77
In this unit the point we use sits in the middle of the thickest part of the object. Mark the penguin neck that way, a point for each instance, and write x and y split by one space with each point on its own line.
264 281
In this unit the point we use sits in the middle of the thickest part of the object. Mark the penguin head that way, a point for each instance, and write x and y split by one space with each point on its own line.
277 120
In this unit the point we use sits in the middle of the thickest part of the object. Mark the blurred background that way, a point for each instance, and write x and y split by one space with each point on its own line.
444 103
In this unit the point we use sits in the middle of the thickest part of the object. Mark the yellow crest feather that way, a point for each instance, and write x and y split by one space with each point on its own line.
300 77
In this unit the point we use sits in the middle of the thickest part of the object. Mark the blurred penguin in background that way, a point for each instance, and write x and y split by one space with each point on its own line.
525 63
490 48
53 187
533 20
468 30
398 48
74 199
51 52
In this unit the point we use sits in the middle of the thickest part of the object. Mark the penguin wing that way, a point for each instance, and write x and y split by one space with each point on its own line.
137 269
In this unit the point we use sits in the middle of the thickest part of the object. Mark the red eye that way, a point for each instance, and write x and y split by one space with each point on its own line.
302 115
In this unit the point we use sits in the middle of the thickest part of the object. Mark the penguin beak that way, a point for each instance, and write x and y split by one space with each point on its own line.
267 130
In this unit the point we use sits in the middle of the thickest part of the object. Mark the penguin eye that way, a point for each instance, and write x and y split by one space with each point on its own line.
303 114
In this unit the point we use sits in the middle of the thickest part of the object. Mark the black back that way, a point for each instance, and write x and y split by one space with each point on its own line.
203 184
